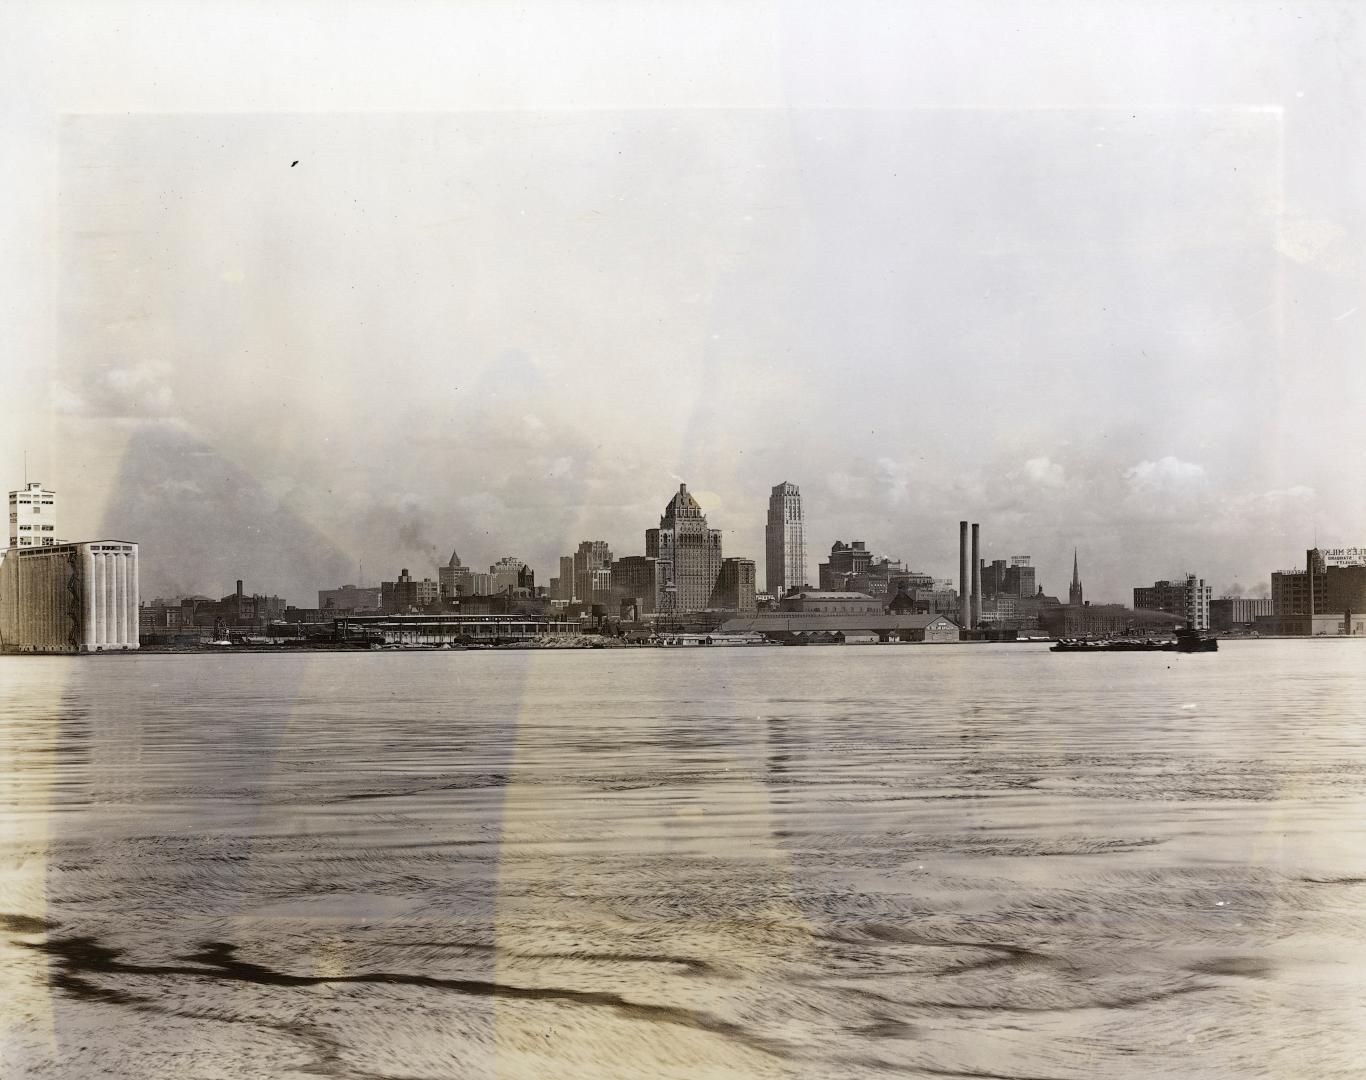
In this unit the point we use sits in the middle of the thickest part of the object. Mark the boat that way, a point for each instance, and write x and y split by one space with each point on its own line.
1095 645
1186 640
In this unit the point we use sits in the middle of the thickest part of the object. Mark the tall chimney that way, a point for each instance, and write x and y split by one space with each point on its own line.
239 588
964 594
976 578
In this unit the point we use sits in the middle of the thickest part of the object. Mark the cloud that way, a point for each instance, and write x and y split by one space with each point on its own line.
138 391
1044 472
1165 474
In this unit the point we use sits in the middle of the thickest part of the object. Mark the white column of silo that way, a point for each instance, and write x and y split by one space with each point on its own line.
87 596
111 599
39 630
101 599
123 600
113 638
135 596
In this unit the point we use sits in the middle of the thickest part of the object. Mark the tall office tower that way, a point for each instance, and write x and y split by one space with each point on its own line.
565 591
32 517
593 557
689 553
1074 590
450 577
784 541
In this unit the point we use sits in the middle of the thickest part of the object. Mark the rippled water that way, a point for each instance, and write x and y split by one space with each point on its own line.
952 861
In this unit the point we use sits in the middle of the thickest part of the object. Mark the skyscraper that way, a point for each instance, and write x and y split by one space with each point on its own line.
688 552
784 540
1074 590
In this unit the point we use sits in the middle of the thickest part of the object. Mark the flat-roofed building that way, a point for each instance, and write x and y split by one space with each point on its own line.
638 582
350 598
69 598
795 626
831 602
1238 612
32 517
592 572
408 593
735 587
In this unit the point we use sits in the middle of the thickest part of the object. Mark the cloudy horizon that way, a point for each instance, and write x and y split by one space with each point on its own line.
1109 306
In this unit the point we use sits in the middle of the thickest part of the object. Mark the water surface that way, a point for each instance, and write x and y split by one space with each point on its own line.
961 861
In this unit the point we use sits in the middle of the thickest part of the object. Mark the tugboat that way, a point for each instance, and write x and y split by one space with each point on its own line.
1189 640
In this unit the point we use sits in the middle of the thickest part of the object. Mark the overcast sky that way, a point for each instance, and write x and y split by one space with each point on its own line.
1086 273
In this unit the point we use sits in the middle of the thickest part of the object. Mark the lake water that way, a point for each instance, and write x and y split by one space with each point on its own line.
941 861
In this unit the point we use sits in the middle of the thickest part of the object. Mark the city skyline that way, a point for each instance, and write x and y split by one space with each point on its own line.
1251 585
1113 314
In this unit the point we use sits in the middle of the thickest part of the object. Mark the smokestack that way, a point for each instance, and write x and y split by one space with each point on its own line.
976 579
964 593
239 588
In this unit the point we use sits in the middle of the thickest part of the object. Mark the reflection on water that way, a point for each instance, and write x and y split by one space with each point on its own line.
972 861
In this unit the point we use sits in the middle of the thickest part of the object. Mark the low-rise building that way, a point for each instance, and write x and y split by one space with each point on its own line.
350 598
831 602
798 626
1238 612
1333 624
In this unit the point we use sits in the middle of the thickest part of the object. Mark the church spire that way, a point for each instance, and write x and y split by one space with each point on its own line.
1074 595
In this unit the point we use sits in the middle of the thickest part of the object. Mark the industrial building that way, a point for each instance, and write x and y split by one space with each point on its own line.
1238 612
69 598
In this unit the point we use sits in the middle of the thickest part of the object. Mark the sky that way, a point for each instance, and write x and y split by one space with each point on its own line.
314 294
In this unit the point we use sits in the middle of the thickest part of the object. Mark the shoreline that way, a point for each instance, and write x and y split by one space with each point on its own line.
277 650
